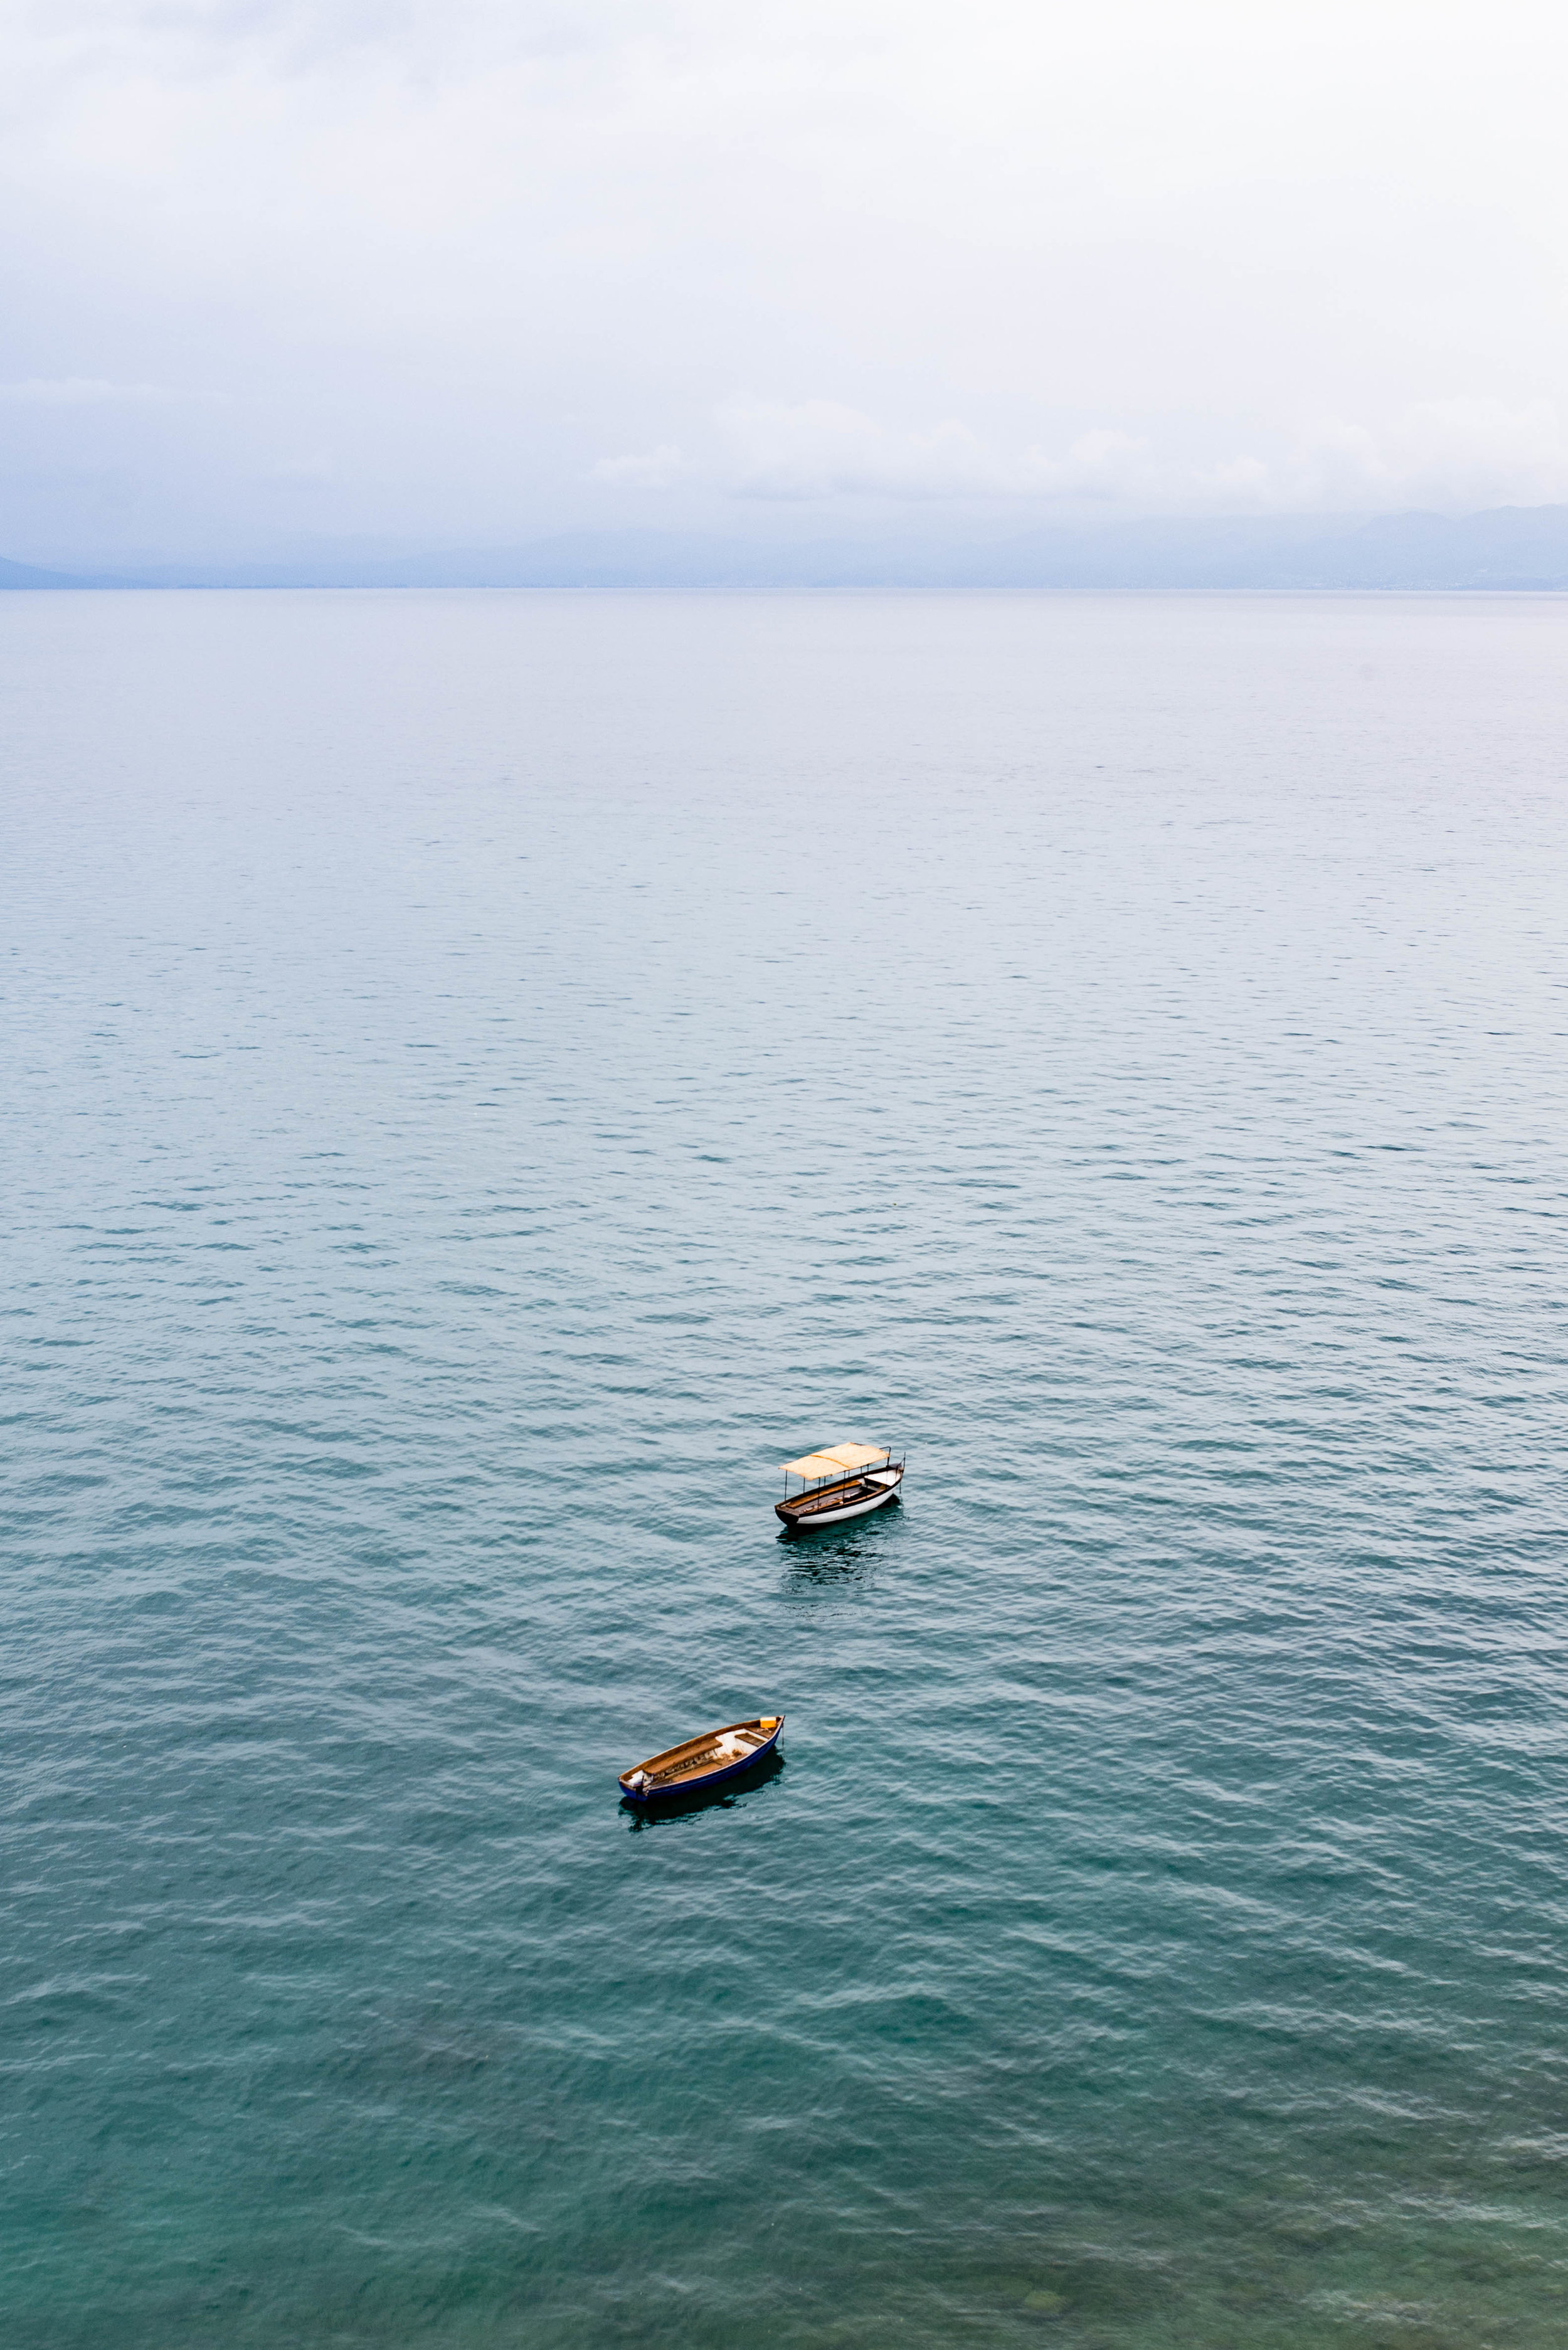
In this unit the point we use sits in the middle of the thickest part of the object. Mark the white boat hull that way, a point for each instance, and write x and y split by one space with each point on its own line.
889 1479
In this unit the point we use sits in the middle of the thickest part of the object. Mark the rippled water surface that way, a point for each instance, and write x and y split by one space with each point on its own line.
488 1078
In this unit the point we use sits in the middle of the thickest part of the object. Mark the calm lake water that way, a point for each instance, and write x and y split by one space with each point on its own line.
488 1077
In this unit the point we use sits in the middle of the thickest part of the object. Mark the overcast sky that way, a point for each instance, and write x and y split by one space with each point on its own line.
467 272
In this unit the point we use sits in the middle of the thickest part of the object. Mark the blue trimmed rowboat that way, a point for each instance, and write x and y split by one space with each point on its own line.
703 1763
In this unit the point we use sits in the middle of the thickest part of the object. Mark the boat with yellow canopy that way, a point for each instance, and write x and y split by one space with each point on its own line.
842 1481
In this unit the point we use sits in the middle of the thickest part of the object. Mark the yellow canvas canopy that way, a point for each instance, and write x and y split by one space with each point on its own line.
833 1461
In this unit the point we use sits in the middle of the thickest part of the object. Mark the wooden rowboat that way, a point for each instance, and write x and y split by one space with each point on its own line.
842 1481
703 1763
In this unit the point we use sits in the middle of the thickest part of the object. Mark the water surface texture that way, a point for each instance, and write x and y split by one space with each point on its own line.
490 1077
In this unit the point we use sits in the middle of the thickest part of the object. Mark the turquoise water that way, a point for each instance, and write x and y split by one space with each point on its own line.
489 1078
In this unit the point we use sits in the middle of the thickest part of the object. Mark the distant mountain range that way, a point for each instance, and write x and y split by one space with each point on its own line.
25 574
1517 547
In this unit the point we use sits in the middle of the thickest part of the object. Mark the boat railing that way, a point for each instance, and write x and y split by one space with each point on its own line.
843 1477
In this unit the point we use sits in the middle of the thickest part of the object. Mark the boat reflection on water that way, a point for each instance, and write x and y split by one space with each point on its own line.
835 1555
725 1797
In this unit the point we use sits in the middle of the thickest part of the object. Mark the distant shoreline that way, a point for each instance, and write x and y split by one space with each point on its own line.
1508 550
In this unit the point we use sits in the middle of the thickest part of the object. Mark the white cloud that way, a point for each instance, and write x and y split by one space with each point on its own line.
1131 258
1103 463
815 449
1457 454
655 469
818 449
1453 454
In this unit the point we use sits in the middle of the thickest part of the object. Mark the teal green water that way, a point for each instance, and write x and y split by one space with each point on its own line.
489 1078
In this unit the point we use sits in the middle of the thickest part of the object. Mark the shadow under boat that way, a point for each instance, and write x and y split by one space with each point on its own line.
827 1556
719 1798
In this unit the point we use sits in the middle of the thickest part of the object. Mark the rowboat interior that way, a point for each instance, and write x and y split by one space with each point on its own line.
842 1481
701 1761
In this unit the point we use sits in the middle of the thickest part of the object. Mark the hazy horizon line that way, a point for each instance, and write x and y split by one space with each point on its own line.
1518 548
